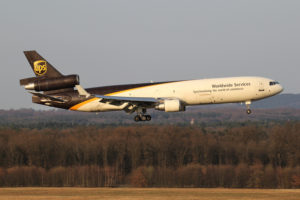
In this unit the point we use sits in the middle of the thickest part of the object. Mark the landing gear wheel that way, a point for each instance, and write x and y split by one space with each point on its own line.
137 118
141 115
143 118
248 107
148 117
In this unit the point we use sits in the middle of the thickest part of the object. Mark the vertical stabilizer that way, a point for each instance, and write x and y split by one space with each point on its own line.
40 66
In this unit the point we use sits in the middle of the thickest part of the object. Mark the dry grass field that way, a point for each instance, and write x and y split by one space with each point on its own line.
148 193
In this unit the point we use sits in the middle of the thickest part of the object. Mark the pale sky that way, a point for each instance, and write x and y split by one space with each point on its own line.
129 41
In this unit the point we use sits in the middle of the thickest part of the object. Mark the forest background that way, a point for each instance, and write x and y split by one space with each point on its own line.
206 146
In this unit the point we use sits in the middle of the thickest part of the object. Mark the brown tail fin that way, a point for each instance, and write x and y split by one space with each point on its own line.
40 66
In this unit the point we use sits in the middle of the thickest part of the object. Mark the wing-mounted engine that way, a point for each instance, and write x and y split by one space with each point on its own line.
49 84
170 105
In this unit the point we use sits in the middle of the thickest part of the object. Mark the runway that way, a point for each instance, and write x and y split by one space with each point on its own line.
146 193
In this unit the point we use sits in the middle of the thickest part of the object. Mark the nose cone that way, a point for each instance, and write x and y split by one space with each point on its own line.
274 87
280 88
277 89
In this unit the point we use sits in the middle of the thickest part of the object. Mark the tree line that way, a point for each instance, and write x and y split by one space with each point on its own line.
249 155
199 115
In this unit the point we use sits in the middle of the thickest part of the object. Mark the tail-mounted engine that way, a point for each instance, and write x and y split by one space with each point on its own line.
170 105
48 84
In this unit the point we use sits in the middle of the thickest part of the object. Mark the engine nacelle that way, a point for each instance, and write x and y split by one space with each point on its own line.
48 84
171 105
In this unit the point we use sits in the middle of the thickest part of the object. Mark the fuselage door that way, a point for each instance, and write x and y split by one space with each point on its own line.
261 87
203 96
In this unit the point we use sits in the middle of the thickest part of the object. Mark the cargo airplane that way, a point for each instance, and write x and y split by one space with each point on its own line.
54 89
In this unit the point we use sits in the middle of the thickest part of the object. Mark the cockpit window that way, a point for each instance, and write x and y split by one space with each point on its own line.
274 82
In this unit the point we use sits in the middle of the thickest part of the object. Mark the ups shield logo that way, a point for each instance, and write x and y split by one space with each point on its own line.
40 67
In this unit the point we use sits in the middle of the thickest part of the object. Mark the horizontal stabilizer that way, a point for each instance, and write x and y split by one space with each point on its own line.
52 98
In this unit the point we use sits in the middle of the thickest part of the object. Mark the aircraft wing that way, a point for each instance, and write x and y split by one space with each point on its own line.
131 103
119 99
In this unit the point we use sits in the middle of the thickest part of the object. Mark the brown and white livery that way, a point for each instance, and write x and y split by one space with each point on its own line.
52 88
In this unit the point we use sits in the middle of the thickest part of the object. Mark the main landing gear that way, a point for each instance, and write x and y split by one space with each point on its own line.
248 107
138 118
141 115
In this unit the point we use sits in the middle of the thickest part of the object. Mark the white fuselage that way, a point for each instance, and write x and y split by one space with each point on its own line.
197 92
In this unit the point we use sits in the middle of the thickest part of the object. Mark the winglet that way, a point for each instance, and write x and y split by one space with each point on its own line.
82 91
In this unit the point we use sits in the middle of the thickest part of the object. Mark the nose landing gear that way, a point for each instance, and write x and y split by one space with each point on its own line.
248 107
